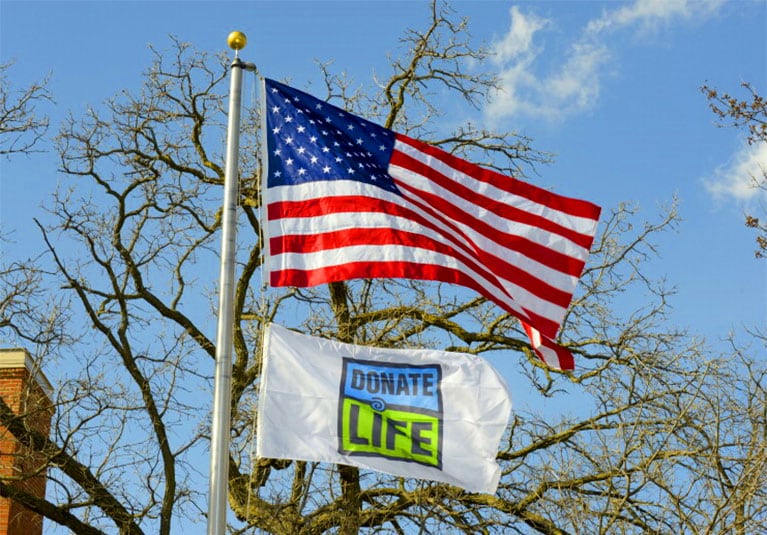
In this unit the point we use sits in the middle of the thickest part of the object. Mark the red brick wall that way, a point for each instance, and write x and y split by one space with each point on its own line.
18 466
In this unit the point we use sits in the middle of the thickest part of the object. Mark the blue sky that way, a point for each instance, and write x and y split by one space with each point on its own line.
612 88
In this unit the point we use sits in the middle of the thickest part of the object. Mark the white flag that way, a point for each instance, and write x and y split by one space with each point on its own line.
420 413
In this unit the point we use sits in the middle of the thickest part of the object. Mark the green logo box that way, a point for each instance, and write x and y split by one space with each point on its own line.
391 410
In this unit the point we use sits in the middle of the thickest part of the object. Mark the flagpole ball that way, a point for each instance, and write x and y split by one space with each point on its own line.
236 40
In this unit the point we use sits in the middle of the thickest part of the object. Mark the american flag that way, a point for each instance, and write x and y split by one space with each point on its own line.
349 199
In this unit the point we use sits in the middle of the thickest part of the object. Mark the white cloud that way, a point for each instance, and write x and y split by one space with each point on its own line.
576 85
573 86
518 42
738 179
652 15
515 54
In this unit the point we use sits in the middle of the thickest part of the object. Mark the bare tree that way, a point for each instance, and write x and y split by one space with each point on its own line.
21 126
26 308
632 448
749 113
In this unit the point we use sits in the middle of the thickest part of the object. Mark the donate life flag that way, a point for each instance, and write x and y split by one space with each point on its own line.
349 199
422 413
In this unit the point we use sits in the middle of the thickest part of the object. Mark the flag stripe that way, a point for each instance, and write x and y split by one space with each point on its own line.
501 241
307 260
567 205
319 241
365 268
538 297
550 353
470 198
349 197
532 292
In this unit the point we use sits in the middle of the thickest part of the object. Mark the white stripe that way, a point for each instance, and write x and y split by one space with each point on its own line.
325 189
549 356
320 189
583 225
532 233
394 253
535 337
307 226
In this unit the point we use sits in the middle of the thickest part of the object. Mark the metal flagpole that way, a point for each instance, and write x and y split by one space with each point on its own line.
222 394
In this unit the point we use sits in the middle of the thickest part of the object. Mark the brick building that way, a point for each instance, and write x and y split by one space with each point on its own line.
27 392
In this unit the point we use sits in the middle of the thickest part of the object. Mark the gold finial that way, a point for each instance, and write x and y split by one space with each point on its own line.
236 40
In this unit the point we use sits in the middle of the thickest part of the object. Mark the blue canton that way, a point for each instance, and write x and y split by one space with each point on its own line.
309 140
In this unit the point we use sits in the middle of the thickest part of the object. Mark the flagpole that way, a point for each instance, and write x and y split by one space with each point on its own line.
222 394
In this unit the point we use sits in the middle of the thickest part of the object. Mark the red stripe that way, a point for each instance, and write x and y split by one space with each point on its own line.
500 209
446 211
566 361
331 204
568 205
384 236
358 204
408 270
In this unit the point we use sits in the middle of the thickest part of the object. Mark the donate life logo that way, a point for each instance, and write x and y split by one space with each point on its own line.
391 410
